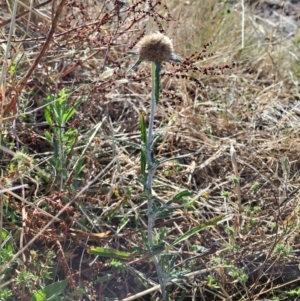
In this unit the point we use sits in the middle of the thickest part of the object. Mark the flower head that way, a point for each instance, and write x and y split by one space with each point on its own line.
155 47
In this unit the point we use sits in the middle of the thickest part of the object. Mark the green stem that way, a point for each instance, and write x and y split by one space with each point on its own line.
151 167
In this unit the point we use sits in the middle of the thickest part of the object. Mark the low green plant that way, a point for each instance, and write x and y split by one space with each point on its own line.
255 186
252 210
51 291
283 250
212 282
26 279
6 254
238 274
294 292
5 294
118 265
58 113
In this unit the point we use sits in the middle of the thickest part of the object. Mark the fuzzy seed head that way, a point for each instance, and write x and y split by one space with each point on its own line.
155 47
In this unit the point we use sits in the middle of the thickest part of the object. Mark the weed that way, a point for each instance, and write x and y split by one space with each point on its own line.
238 274
118 265
26 279
283 250
5 294
57 114
76 163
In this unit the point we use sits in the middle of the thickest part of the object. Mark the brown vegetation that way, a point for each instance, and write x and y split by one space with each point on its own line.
233 105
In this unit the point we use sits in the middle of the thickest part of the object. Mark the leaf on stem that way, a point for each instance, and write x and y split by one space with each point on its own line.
212 222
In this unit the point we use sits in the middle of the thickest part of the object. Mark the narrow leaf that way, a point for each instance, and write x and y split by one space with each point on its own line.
50 292
110 253
8 245
104 278
179 196
145 239
47 114
212 222
143 129
48 136
67 115
134 66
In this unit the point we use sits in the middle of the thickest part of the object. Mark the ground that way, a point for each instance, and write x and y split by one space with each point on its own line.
226 125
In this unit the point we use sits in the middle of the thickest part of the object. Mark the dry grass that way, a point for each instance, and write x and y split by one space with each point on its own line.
253 107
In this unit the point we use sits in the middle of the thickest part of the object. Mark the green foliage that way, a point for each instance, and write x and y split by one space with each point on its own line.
6 253
124 221
252 210
8 241
63 140
255 187
237 273
283 250
13 69
257 209
50 292
110 253
118 265
294 292
44 269
234 247
235 180
5 294
212 282
225 194
210 223
26 279
229 230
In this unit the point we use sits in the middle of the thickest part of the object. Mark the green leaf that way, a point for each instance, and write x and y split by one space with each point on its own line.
143 129
47 114
79 166
50 292
134 66
110 253
179 285
8 245
48 137
69 134
123 222
12 69
212 222
145 239
67 115
104 278
179 196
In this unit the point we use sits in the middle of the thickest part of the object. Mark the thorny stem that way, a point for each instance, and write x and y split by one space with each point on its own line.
155 74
